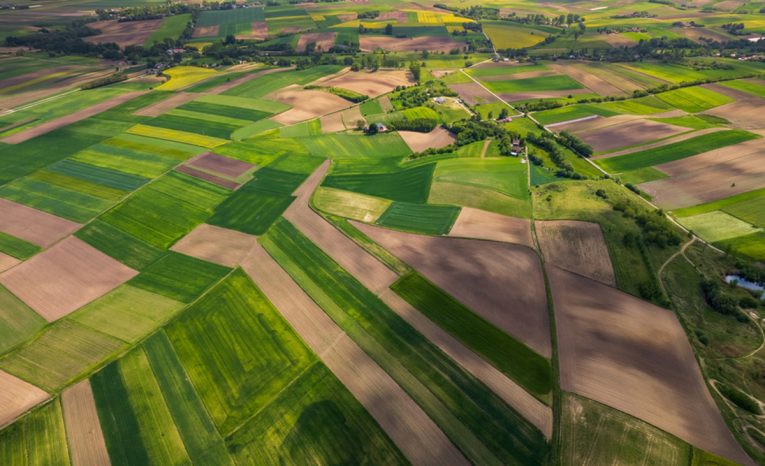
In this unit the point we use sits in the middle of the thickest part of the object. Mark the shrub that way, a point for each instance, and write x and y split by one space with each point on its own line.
740 398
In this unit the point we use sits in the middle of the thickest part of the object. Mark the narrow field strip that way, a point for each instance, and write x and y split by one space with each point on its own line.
87 446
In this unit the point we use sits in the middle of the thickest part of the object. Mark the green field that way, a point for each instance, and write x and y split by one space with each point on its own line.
16 247
116 243
509 36
481 425
179 277
359 154
694 99
39 438
231 22
674 151
718 226
756 88
349 204
407 185
544 83
420 218
266 84
172 27
17 321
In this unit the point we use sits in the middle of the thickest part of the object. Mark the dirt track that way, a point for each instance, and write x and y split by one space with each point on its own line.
578 247
480 224
17 397
352 257
83 429
215 244
498 281
635 357
57 123
64 278
416 435
32 225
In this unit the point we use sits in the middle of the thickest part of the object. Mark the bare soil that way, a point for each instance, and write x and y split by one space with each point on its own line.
123 34
746 112
368 83
500 282
351 116
6 262
215 244
664 142
83 429
480 224
32 225
710 176
51 125
473 93
220 165
635 357
306 104
332 123
418 142
416 435
259 31
414 44
352 257
577 247
207 176
64 278
206 31
324 41
175 100
17 397
626 133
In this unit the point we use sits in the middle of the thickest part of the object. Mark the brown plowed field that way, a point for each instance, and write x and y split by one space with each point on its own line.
123 34
17 397
500 282
258 31
713 175
332 123
215 244
220 165
368 83
480 224
393 44
746 112
32 225
615 132
306 104
57 123
418 142
664 142
529 407
175 100
6 262
64 278
324 41
83 429
351 116
416 435
352 257
206 176
578 247
635 357
473 93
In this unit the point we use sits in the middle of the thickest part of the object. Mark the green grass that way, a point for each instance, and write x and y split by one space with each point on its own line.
64 352
407 185
571 112
420 218
473 417
756 88
694 99
266 84
506 35
718 226
755 198
301 130
241 113
485 71
16 247
486 199
119 245
349 205
171 28
353 153
107 177
674 151
371 107
544 83
179 277
206 127
694 121
63 202
263 149
203 443
18 322
751 245
513 358
238 351
36 439
592 433
231 22
506 175
167 209
127 313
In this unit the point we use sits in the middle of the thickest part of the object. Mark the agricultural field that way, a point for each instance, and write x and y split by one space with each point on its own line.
382 232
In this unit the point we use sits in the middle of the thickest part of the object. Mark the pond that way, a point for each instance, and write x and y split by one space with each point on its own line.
744 283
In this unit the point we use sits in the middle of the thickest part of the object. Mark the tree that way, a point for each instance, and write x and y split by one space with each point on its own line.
389 29
230 39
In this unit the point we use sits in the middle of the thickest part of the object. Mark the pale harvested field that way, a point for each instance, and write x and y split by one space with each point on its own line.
17 397
206 31
512 97
480 224
746 112
713 175
175 100
473 93
64 278
324 41
393 44
306 104
368 83
220 165
577 247
352 257
123 34
398 16
32 225
258 31
635 357
664 142
697 33
498 281
626 133
617 40
351 116
418 142
57 123
215 244
529 407
332 123
589 80
83 428
415 434
6 262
